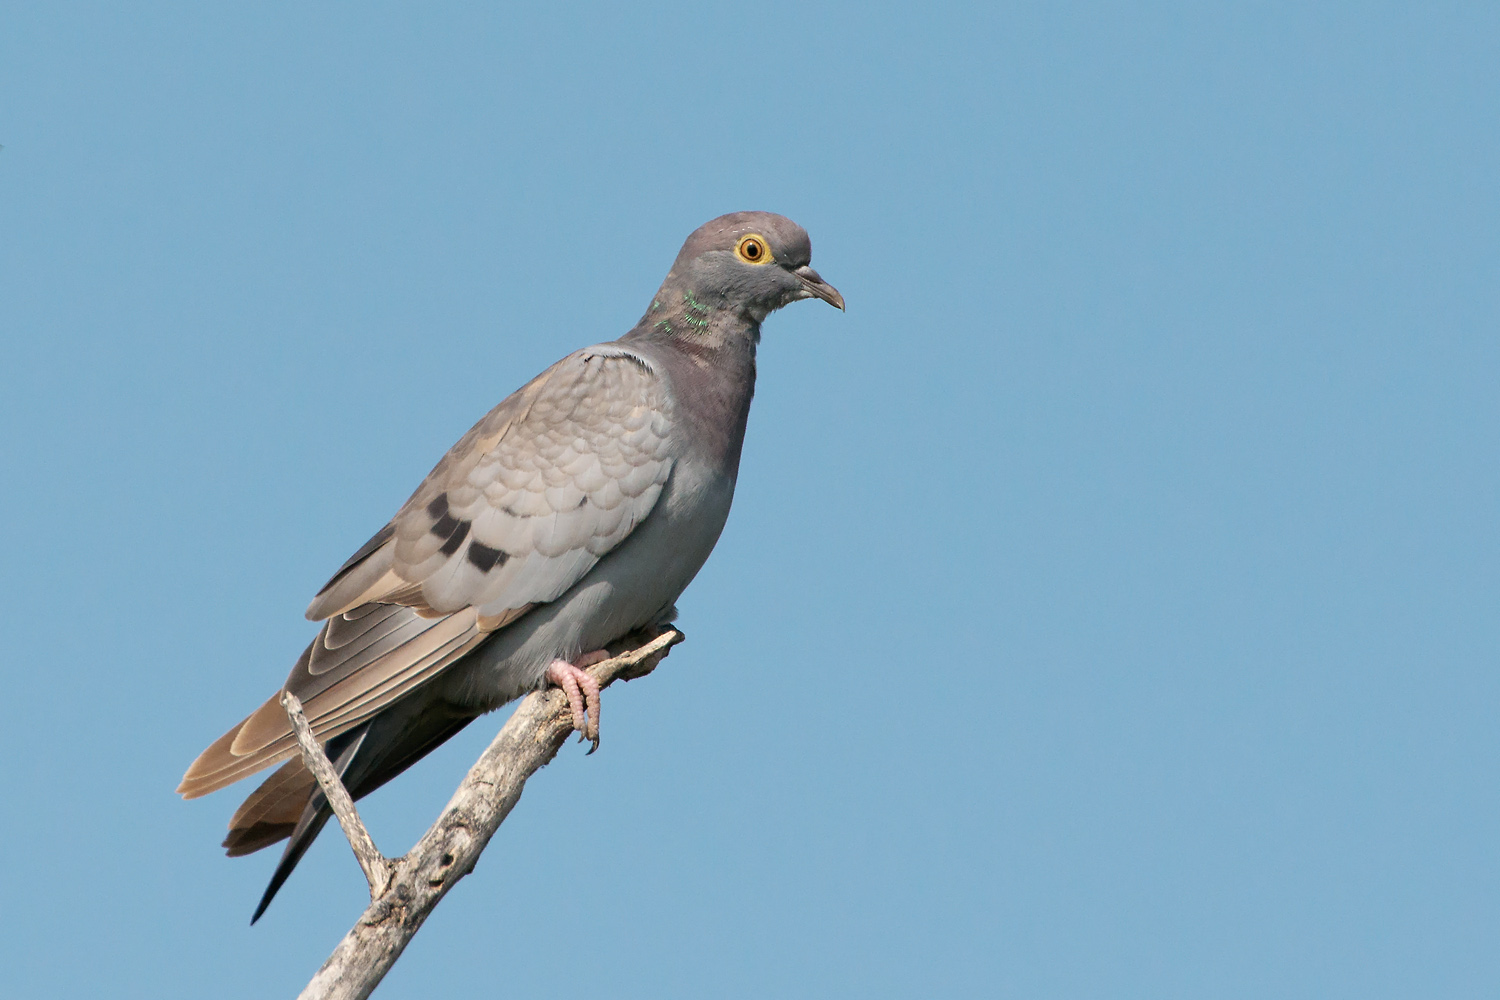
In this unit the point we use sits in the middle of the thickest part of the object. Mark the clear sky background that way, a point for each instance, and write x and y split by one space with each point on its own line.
1109 607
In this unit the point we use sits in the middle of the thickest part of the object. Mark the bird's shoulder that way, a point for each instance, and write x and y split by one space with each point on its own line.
599 400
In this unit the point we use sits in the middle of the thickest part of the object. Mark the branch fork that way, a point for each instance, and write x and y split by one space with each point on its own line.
404 891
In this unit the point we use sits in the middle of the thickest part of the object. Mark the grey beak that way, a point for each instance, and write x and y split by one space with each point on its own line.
818 288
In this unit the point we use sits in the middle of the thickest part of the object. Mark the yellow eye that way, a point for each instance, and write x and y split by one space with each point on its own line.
752 249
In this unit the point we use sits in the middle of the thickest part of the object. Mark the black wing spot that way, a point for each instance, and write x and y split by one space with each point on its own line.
486 558
456 539
438 509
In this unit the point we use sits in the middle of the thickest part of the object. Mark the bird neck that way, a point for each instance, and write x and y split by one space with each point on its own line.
708 349
700 323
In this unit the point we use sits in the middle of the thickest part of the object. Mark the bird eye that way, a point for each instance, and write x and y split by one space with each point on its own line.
752 249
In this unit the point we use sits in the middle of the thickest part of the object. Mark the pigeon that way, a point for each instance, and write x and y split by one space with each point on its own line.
573 514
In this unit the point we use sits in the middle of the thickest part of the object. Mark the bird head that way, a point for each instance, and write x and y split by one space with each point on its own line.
751 262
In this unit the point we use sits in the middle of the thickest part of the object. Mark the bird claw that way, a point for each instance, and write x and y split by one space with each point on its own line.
582 692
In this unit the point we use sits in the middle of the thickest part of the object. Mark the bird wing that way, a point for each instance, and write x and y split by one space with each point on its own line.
517 512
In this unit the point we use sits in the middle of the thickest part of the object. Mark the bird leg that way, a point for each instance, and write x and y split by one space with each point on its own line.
582 691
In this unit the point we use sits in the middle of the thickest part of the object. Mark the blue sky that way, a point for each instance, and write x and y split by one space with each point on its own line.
1109 604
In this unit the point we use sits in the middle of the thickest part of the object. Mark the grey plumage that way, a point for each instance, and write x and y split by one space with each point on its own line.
574 513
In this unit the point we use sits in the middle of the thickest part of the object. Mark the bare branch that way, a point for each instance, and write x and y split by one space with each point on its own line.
450 849
377 868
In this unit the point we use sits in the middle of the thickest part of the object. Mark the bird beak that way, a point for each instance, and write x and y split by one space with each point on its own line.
818 288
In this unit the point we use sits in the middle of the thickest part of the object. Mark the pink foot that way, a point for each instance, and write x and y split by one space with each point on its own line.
582 691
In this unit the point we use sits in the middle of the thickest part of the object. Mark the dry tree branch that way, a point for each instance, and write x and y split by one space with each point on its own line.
377 868
412 885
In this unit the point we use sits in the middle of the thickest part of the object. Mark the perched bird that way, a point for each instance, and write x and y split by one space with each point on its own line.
574 513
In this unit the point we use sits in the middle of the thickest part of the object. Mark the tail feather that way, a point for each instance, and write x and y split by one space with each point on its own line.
272 810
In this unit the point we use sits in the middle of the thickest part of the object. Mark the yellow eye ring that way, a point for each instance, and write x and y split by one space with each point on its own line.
752 249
